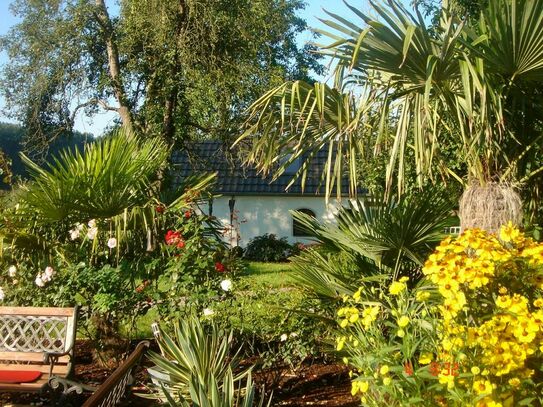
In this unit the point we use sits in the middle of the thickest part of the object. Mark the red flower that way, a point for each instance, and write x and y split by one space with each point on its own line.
408 368
160 208
219 267
181 244
142 286
187 214
173 237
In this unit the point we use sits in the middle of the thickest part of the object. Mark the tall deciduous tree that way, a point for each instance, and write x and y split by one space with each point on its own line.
176 68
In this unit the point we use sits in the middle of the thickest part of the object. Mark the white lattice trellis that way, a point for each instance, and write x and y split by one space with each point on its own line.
27 333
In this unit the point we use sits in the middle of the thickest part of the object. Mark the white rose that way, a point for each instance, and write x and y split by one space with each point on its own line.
2 294
45 278
49 271
92 223
92 232
208 312
112 243
39 282
284 337
12 271
226 285
74 234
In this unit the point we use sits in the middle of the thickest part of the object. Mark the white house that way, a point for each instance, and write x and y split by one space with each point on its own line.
249 205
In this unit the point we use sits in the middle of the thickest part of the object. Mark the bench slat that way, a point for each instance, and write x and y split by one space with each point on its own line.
37 311
60 370
29 357
25 387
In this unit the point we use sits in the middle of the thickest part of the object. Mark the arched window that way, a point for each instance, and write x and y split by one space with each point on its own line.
297 228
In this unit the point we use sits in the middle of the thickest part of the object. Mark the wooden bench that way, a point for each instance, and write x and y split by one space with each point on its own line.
112 391
37 339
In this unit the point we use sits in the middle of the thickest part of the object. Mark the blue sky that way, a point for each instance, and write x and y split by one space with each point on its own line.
313 10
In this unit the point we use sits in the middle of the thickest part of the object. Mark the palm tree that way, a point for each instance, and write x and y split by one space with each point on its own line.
406 89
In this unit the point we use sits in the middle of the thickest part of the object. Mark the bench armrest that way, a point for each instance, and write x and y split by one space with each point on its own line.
51 358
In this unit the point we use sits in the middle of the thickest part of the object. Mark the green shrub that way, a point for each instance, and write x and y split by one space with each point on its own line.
268 248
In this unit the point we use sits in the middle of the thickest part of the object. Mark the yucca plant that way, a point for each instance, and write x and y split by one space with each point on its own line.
195 368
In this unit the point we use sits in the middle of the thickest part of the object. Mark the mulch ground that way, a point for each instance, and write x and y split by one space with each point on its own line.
315 383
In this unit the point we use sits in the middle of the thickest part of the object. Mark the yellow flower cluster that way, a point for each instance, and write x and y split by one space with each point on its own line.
352 315
490 307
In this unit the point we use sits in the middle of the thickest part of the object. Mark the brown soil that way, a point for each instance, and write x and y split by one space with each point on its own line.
315 383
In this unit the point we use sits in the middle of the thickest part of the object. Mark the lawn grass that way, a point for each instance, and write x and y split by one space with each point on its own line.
272 274
256 276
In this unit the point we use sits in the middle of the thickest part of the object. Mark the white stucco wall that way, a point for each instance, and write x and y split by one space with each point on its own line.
257 215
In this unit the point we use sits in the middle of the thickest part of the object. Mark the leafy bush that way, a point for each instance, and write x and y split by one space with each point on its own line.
468 334
196 367
269 248
199 271
88 230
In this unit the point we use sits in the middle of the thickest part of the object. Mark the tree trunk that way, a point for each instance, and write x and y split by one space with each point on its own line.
124 111
170 104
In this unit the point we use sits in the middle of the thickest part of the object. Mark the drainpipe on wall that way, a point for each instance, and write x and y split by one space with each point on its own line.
231 205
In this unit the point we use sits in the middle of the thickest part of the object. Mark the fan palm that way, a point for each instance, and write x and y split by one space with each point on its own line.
372 240
400 87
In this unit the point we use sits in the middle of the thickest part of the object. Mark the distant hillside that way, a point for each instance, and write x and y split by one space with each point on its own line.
10 143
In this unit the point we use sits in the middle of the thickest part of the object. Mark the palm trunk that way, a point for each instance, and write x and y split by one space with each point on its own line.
489 206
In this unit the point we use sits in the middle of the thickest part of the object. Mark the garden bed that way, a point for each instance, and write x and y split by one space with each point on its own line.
315 383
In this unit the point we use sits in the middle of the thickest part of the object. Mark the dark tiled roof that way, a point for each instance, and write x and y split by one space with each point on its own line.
232 178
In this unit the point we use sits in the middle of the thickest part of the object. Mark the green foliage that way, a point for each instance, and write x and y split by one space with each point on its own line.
12 142
111 176
383 334
85 231
268 248
196 367
197 262
177 69
372 237
412 92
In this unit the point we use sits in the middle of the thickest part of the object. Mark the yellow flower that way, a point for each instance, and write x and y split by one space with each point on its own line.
482 387
447 379
396 287
387 381
400 333
384 370
359 386
538 303
503 301
425 358
475 370
422 296
509 232
403 321
515 382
